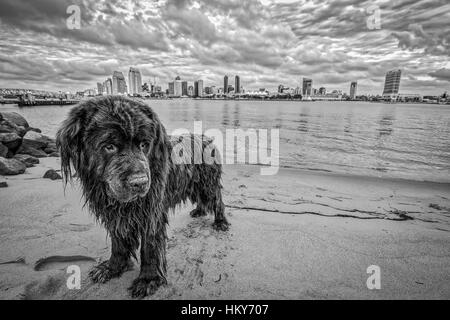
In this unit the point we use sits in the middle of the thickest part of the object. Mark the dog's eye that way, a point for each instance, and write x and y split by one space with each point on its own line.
110 148
143 145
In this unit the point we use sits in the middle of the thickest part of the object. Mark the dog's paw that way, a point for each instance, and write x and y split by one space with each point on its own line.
197 212
142 287
103 272
221 225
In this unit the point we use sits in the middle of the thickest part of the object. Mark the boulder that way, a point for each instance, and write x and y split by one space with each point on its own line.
34 129
54 154
10 127
11 167
11 140
52 174
28 160
15 118
24 149
3 184
49 150
3 150
36 140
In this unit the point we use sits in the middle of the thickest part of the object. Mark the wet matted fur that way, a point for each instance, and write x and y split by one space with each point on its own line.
121 154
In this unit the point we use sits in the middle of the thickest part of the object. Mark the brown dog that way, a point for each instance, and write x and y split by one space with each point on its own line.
123 159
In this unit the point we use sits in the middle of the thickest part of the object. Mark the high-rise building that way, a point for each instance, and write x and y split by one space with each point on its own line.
392 83
195 89
119 85
353 87
108 86
225 84
190 91
171 90
237 84
200 88
134 81
307 87
178 92
184 88
100 88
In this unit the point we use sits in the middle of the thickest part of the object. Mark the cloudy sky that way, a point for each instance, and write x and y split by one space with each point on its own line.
266 42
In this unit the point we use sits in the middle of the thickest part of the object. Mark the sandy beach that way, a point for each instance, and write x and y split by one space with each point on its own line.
295 235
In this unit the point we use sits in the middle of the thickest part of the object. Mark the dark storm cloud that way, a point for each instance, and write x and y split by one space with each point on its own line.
266 42
441 74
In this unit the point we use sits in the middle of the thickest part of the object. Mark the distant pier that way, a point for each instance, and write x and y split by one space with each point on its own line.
29 100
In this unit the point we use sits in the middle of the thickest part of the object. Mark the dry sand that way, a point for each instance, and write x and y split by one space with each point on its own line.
296 235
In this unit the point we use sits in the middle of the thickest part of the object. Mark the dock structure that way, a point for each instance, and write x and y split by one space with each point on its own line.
28 100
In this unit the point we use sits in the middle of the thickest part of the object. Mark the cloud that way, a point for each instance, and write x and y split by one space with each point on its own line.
266 43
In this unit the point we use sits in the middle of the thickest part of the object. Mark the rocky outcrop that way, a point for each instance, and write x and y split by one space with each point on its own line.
52 174
3 150
28 160
16 118
22 144
11 167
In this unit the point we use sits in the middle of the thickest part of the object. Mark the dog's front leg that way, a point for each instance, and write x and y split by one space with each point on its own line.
118 263
153 264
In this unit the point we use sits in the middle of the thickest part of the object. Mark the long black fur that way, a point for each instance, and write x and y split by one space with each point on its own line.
141 221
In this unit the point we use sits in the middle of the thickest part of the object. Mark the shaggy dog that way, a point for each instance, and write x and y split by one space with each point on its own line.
125 162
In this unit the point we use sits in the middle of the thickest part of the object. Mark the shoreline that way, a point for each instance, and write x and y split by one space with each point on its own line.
327 231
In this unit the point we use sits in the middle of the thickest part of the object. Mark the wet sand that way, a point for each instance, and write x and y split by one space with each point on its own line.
296 235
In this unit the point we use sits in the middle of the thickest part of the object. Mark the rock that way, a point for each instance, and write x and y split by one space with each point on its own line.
11 167
34 129
3 150
54 154
50 150
8 127
15 118
3 184
28 160
52 174
11 140
36 140
24 149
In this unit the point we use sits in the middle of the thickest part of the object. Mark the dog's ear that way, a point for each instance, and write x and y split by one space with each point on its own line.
68 142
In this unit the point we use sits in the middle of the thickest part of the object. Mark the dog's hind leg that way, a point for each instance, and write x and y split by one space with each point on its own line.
200 210
218 207
118 263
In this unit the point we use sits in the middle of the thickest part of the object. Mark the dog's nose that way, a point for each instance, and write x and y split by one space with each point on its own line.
138 180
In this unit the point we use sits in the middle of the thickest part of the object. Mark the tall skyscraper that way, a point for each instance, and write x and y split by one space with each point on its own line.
119 85
225 84
237 84
100 88
177 87
171 88
195 89
184 88
353 87
200 88
307 87
134 81
108 86
392 83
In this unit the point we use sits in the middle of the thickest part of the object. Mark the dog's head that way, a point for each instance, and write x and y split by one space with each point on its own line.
113 143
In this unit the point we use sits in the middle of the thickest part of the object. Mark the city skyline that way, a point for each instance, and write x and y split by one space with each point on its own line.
266 43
